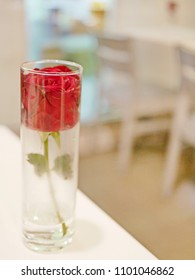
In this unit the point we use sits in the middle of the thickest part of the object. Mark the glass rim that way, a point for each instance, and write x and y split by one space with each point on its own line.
78 70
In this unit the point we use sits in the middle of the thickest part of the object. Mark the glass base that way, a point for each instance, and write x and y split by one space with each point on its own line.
44 242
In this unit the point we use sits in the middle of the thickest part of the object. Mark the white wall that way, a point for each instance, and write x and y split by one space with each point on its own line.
156 63
131 13
12 53
185 15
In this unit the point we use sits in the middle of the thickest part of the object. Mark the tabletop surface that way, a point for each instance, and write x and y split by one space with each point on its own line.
97 235
169 35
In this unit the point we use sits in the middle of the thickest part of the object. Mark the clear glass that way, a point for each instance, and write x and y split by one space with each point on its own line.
50 118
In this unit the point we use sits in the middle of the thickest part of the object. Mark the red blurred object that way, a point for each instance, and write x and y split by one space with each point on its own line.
172 6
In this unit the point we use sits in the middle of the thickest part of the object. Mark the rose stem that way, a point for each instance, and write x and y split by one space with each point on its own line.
46 154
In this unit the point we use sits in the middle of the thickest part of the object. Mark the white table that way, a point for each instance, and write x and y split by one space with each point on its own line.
157 59
97 235
170 35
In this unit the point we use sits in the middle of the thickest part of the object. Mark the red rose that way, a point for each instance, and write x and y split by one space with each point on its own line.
50 102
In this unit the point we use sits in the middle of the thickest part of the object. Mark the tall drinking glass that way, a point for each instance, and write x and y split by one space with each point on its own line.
50 117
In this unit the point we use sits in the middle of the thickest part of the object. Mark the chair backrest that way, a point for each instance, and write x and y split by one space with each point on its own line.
187 62
115 51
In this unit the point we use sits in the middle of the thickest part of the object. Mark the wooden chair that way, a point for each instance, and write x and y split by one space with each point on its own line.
140 104
183 126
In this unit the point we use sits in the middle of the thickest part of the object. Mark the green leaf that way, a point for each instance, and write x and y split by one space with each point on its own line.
44 136
56 137
62 166
39 162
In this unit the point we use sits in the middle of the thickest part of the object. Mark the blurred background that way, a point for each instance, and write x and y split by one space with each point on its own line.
137 142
